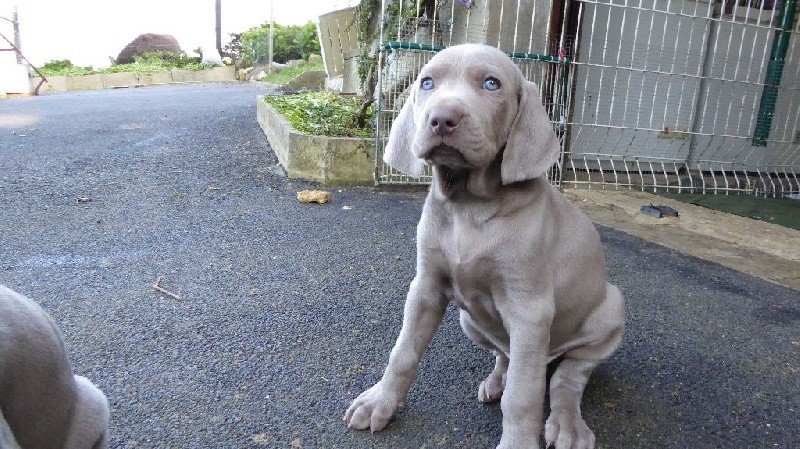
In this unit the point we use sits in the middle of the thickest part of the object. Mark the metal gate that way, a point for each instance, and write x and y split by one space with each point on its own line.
677 95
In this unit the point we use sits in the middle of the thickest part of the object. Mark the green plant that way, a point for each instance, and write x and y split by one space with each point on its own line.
170 60
289 73
63 67
367 14
321 113
290 42
233 49
148 62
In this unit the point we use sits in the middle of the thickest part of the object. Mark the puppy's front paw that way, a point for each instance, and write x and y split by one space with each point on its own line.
373 408
568 431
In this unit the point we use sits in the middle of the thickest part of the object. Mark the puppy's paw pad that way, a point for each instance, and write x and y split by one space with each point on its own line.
568 431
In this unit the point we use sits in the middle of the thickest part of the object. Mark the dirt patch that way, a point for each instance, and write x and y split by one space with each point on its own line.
754 247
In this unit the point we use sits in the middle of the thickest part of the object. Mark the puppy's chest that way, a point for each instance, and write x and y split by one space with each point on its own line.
472 265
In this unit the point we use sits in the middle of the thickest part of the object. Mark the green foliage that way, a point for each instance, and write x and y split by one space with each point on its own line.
233 49
290 42
289 73
321 113
368 16
148 62
168 61
63 67
366 13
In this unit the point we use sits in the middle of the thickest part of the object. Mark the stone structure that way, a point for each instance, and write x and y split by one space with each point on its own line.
147 43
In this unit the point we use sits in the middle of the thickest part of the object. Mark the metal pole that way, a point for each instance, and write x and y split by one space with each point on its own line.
380 139
777 58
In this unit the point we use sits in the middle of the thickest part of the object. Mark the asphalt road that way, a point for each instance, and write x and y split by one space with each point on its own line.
289 310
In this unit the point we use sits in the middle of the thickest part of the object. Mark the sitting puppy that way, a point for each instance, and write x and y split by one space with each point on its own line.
522 263
42 404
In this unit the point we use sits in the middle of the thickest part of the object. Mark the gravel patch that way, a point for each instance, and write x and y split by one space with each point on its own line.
289 310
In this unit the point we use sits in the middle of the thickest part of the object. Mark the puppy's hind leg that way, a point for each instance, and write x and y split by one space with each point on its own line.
491 389
565 428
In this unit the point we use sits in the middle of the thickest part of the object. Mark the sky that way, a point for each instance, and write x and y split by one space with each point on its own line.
87 32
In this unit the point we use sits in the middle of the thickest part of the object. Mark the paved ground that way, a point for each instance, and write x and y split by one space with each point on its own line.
754 247
289 310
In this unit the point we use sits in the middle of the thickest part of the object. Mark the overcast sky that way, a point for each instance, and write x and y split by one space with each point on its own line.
87 32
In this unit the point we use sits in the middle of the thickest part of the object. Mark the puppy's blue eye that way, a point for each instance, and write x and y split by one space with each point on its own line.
491 83
427 84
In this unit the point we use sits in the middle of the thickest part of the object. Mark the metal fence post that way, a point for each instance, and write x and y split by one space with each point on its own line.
769 96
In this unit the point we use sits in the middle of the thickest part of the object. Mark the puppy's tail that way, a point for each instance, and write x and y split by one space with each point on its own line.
90 417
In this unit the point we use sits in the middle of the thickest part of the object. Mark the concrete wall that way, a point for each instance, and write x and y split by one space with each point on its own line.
13 76
130 79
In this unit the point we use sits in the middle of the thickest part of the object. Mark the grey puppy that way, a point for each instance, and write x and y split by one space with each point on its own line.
42 403
523 264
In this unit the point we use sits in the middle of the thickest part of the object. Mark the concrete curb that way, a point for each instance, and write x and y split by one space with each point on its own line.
99 81
760 249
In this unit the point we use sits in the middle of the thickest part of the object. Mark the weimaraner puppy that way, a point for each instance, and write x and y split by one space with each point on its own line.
523 264
42 404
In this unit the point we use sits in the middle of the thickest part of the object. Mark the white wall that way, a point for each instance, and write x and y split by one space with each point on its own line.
13 76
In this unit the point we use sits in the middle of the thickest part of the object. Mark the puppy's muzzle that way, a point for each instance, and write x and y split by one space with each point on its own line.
446 156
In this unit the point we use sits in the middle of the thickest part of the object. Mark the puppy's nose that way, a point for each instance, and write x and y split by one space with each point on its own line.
443 121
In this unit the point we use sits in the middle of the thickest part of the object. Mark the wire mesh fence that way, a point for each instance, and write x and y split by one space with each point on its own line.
682 96
660 95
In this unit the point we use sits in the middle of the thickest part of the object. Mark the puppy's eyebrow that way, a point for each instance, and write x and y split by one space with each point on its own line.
483 72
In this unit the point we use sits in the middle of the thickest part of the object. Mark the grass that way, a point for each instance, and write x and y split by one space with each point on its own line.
780 211
290 73
322 113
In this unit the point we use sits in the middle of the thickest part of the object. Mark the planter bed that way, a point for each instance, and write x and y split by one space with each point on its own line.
329 160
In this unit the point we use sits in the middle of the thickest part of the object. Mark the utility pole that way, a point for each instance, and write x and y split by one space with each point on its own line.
271 32
15 23
218 10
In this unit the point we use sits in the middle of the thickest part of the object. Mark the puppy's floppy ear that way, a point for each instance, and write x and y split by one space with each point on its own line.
398 153
532 146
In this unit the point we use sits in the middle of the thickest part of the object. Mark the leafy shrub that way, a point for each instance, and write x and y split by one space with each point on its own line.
290 42
63 67
322 113
148 62
289 73
162 61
